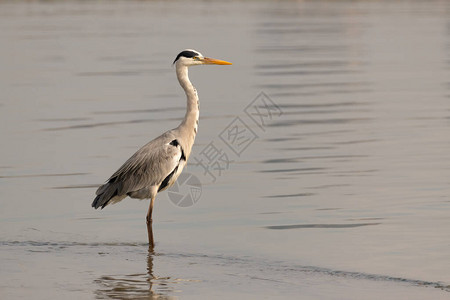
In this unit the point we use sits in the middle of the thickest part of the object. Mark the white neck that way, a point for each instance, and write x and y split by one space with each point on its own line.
189 124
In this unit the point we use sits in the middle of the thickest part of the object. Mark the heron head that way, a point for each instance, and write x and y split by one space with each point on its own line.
191 57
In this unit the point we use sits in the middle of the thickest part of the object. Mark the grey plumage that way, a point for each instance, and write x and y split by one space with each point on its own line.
143 172
157 165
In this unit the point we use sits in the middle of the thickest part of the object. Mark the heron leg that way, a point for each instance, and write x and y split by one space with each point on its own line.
149 223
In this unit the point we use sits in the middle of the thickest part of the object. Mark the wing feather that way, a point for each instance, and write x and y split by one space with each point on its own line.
146 168
149 165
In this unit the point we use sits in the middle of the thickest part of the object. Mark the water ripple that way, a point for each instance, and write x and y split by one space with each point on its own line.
44 175
303 226
295 122
65 244
78 186
290 195
134 111
313 85
304 48
259 269
292 271
327 64
123 73
92 125
293 170
307 72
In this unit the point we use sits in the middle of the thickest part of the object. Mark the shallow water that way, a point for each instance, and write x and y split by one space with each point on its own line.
337 189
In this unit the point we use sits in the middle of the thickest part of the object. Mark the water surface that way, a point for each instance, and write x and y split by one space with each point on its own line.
342 193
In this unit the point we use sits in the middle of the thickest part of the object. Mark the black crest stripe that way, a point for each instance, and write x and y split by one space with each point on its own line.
187 54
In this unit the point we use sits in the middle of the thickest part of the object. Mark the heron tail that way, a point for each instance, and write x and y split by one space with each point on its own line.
106 194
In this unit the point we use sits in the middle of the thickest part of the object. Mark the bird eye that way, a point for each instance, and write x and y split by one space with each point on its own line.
196 57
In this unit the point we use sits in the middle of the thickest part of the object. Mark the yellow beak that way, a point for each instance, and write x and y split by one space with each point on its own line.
213 61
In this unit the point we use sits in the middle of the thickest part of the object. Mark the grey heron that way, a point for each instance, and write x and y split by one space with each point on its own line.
156 166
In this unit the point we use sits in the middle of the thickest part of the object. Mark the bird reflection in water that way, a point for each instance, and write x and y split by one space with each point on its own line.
136 286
